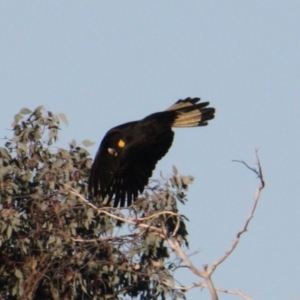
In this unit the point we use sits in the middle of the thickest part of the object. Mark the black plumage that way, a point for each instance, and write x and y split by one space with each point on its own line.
129 152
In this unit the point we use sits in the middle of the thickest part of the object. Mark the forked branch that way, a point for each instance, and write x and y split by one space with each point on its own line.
207 271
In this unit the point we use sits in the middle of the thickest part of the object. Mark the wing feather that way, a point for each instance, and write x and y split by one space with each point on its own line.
123 177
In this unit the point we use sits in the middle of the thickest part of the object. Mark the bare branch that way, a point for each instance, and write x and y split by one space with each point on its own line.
251 215
183 288
238 292
172 241
201 284
207 271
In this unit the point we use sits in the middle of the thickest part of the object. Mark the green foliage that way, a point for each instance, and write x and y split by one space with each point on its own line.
56 244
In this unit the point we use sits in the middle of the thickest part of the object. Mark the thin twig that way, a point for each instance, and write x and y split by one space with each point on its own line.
251 215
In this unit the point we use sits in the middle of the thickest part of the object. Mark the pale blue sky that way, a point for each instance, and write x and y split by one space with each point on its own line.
103 63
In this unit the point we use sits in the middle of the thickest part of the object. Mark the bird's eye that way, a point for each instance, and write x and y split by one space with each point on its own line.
121 144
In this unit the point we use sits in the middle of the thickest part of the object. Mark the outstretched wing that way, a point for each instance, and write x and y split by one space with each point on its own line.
121 173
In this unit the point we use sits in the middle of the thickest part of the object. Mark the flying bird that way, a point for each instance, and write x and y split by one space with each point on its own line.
129 152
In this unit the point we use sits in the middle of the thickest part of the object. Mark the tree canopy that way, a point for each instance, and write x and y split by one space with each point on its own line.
55 243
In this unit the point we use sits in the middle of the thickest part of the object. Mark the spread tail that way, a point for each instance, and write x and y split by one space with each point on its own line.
189 113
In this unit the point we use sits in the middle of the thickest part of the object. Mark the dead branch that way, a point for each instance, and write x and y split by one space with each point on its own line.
207 271
201 284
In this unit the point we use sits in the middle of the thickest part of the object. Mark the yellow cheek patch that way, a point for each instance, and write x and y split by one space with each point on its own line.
121 144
